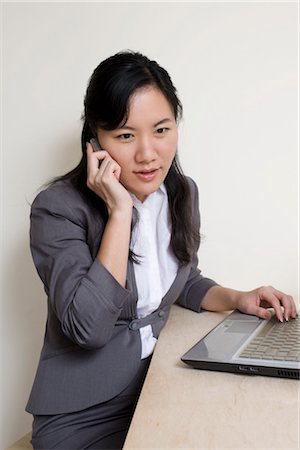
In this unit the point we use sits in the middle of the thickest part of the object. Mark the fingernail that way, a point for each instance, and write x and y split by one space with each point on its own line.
287 319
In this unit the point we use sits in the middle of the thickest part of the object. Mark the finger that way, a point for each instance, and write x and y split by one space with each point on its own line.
107 177
109 167
99 154
258 311
117 171
90 169
273 300
104 162
294 313
93 159
288 304
267 294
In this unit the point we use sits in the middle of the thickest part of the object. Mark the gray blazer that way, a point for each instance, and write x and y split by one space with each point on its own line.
92 345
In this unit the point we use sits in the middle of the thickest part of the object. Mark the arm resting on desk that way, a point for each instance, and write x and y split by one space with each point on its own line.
252 302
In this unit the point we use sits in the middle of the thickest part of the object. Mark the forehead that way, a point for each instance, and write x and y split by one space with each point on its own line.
149 104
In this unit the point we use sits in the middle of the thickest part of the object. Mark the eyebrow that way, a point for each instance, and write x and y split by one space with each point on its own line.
160 122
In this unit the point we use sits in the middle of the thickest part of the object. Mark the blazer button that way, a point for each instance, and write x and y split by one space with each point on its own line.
133 326
161 313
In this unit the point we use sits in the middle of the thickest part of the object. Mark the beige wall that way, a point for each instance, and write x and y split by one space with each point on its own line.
235 67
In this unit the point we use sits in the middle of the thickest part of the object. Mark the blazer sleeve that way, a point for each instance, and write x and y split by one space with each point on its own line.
197 285
84 296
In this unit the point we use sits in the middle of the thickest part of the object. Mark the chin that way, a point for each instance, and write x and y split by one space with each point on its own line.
143 194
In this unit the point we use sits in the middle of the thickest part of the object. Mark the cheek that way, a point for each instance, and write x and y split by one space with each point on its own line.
109 144
172 147
124 162
114 150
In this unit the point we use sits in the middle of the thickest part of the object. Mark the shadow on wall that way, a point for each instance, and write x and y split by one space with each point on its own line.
24 302
24 318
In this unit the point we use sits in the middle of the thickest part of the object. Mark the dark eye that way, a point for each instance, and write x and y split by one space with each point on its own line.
161 130
125 136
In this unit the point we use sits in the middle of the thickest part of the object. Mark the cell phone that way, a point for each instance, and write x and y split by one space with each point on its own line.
95 144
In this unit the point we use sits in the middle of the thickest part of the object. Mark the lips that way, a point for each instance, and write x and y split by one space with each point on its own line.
147 175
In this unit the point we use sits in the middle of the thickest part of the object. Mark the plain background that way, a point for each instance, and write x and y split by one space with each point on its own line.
235 68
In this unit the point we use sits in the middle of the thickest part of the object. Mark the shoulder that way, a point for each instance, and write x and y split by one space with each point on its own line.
62 199
193 187
191 182
194 200
59 194
62 189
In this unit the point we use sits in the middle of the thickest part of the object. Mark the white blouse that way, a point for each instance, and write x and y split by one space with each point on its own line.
158 266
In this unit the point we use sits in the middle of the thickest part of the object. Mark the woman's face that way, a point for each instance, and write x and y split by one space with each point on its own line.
145 145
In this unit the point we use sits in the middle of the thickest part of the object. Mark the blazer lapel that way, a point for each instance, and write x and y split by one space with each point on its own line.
176 287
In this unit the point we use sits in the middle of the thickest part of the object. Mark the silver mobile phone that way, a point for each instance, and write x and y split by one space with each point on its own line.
95 144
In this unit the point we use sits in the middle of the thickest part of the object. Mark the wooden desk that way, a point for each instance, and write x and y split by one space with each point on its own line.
184 408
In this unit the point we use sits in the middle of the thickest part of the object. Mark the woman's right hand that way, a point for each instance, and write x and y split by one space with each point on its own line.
103 175
103 178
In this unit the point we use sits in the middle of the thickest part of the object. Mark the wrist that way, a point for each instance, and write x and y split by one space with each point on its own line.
121 209
219 298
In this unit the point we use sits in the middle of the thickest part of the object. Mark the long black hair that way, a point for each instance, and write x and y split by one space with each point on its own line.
106 106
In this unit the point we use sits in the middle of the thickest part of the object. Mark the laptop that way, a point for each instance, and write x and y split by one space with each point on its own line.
248 345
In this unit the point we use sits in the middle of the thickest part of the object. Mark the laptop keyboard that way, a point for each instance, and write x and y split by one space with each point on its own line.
276 341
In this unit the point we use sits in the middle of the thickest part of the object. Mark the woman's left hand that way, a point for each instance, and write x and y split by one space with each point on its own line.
255 302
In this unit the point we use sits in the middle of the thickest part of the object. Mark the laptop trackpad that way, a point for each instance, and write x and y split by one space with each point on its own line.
241 327
224 341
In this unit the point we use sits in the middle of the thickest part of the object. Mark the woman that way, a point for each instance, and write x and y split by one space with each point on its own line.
115 243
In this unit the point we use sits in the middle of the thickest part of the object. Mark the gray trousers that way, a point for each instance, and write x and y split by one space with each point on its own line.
100 427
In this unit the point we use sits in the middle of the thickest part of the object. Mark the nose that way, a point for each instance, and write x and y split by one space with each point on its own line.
146 151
